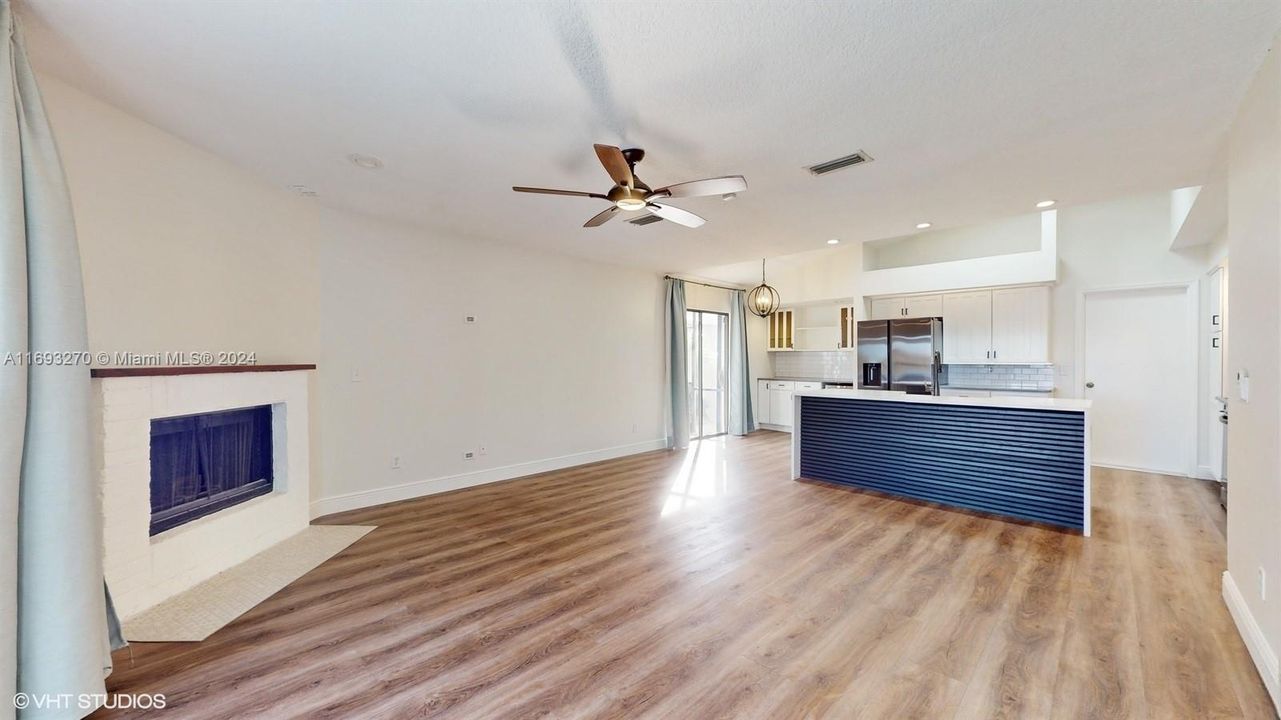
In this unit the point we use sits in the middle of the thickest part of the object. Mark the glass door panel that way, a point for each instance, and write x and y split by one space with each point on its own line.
707 335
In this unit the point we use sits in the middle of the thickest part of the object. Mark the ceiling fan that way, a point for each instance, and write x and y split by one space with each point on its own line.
630 193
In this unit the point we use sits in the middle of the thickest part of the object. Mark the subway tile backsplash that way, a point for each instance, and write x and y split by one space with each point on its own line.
818 364
1021 377
839 365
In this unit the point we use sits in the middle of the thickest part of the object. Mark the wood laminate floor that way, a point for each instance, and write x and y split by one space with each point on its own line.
706 584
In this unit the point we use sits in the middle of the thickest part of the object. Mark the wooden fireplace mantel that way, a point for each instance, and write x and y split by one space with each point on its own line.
119 372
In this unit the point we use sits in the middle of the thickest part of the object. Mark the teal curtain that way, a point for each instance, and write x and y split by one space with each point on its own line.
677 401
54 629
740 376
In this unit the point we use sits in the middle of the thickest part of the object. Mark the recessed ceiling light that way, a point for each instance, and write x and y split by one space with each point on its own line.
1045 203
833 241
368 162
922 226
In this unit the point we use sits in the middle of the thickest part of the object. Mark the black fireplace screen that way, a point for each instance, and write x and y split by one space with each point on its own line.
201 464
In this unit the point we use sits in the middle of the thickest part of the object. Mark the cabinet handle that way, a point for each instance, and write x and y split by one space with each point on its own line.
1214 342
1214 319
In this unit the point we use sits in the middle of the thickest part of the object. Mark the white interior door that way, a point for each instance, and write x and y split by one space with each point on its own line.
1140 372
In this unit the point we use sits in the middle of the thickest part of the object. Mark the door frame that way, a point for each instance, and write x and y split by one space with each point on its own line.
1192 310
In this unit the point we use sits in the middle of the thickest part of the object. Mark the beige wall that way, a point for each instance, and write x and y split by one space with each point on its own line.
180 249
1254 301
565 358
1123 242
1021 233
184 251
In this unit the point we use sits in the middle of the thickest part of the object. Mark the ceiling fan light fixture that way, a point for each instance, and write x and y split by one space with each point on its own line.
630 203
763 299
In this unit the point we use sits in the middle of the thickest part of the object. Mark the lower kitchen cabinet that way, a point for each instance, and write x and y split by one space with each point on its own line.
780 402
774 401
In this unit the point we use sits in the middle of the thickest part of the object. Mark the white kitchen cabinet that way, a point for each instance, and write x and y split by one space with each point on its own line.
1021 325
990 327
849 328
890 308
762 402
780 402
923 306
967 327
886 308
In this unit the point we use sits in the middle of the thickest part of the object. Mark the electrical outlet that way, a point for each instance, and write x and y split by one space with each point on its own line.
469 455
395 462
355 375
1263 584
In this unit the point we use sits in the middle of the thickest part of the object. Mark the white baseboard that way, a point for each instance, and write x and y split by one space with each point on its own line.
431 486
1264 657
1131 468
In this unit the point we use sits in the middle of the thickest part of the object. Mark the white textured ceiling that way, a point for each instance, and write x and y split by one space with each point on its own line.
972 110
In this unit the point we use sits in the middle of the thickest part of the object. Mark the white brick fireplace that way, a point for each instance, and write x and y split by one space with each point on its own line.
143 570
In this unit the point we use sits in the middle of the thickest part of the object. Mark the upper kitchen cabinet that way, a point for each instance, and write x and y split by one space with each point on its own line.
923 306
849 328
826 326
890 308
1008 325
967 327
782 330
1021 325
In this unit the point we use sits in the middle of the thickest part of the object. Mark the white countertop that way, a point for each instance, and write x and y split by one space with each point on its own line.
1034 403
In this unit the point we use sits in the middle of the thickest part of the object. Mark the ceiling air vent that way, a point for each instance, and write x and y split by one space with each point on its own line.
645 220
824 168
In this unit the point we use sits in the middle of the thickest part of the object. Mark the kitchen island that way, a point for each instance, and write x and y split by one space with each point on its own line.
1024 458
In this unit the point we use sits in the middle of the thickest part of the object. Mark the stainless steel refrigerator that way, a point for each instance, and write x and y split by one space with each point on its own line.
905 354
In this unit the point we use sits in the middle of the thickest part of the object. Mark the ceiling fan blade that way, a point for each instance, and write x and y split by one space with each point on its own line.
675 214
602 217
549 191
703 188
615 164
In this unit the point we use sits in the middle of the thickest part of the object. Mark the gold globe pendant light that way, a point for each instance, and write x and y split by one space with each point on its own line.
763 300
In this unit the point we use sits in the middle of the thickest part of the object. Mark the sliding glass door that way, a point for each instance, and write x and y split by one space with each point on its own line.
706 342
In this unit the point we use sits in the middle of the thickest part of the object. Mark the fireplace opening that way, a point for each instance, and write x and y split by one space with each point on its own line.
204 463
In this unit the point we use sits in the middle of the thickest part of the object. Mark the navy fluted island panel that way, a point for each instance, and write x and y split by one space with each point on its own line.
1024 458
